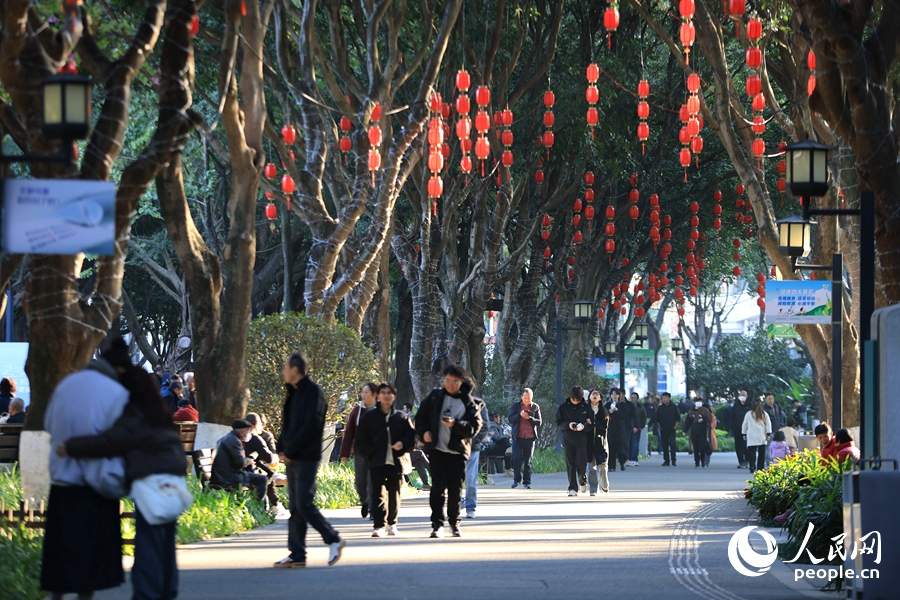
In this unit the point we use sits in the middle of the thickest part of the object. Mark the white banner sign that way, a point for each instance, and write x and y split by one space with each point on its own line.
56 216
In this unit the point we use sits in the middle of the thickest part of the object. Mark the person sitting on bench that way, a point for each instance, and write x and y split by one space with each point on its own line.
229 467
498 442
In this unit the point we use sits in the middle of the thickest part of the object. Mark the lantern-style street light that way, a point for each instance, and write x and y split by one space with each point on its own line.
583 313
807 169
677 345
67 107
794 235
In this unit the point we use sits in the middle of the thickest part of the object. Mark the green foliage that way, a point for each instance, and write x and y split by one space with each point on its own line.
755 363
338 361
20 555
548 461
218 513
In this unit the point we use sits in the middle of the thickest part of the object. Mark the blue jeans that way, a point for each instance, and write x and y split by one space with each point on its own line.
301 476
471 500
635 437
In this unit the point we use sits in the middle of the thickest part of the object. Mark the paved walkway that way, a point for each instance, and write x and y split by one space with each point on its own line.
659 533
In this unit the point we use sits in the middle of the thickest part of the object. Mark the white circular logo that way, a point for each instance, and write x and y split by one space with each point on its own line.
742 556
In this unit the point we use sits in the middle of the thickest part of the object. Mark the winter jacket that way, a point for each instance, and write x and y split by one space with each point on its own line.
829 450
621 419
568 413
668 417
847 449
515 418
186 413
597 442
798 419
257 449
756 431
776 415
482 435
428 418
779 450
698 419
349 437
372 436
639 420
737 417
230 464
303 421
146 450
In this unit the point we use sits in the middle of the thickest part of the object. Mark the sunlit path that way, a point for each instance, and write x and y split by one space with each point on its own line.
659 533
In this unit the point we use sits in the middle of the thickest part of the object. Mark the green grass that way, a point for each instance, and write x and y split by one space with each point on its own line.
336 487
548 461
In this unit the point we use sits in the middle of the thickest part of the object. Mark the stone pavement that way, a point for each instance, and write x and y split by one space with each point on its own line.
661 533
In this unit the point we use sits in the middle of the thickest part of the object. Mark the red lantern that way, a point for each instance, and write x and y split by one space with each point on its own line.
577 237
611 19
547 139
687 34
545 235
482 148
643 110
754 29
610 212
289 134
271 171
610 246
271 211
549 119
736 271
482 96
462 80
287 184
539 177
634 212
593 73
195 24
345 144
736 8
754 85
693 80
759 147
753 57
697 144
463 105
684 157
643 131
589 212
507 158
759 102
759 125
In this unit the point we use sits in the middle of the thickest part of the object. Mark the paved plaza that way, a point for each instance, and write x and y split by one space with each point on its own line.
661 533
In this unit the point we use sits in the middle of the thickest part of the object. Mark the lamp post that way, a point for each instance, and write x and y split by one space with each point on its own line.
807 177
680 350
66 105
584 310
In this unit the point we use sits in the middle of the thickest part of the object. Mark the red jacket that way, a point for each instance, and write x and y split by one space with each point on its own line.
186 413
847 449
829 450
348 447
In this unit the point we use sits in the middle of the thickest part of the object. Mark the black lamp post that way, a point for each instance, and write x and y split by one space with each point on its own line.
66 108
584 311
680 350
807 177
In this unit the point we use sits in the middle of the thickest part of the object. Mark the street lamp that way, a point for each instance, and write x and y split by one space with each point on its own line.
612 349
640 331
794 237
584 310
67 107
807 169
677 345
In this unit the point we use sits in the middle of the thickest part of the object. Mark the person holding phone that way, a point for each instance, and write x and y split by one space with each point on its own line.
571 418
525 420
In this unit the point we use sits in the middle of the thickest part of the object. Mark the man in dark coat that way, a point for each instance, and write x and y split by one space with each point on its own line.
572 418
447 420
525 420
382 437
621 418
738 410
229 469
668 417
698 421
638 422
300 447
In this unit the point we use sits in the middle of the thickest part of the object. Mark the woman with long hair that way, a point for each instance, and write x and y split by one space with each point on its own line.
150 444
757 428
597 446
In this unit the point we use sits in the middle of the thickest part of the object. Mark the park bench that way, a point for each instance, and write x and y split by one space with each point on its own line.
203 461
9 442
188 432
32 517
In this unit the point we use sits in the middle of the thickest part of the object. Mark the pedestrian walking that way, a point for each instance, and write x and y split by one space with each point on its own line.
367 400
668 417
698 421
82 550
638 422
756 429
470 500
300 448
525 421
571 418
597 446
738 412
620 421
385 435
447 420
146 437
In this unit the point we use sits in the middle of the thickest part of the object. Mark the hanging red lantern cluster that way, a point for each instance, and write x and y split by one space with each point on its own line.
735 9
782 170
589 198
717 210
345 144
611 21
593 96
482 124
506 136
271 215
686 33
643 112
633 196
684 138
753 57
695 120
374 135
761 291
666 248
545 235
654 221
464 124
610 244
811 63
739 204
435 154
547 138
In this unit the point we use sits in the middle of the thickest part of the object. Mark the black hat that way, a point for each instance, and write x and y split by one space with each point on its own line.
240 424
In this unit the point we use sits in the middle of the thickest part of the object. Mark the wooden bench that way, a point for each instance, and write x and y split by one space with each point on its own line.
203 461
9 442
188 432
36 518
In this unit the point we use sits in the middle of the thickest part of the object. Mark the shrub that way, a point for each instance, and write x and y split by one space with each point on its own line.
20 555
338 361
548 461
218 513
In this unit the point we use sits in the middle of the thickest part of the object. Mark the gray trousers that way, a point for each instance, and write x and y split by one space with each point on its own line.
363 480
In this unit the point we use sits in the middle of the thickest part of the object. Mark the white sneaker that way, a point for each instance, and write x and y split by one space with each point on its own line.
380 532
583 489
593 493
334 554
573 493
438 533
470 514
392 530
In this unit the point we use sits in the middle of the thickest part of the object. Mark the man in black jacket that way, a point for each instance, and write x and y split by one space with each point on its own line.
571 418
300 447
447 421
668 418
621 417
638 422
525 419
229 469
740 408
382 437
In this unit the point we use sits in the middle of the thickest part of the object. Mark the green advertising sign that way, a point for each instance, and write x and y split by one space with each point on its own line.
638 358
